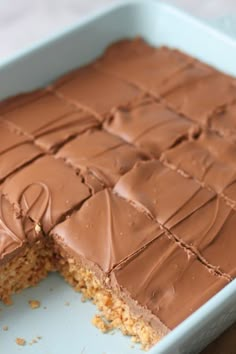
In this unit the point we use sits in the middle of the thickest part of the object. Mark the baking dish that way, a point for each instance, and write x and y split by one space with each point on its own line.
159 24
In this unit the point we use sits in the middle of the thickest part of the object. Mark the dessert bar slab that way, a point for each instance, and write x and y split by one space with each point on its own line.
120 175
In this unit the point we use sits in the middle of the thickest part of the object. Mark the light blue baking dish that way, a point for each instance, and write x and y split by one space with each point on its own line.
66 327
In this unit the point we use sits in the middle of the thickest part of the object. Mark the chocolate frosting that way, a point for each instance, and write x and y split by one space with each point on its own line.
15 151
191 96
15 102
95 91
13 235
44 192
146 68
106 156
163 239
149 125
106 231
210 159
214 235
166 281
49 119
178 203
224 123
161 191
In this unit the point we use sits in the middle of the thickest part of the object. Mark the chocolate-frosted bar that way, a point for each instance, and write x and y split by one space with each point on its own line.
43 192
142 64
210 159
150 125
106 231
161 191
95 91
198 97
15 151
178 203
101 154
49 120
121 176
165 283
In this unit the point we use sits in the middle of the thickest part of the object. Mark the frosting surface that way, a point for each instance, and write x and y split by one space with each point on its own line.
106 230
209 158
163 279
148 68
49 120
150 126
106 156
164 236
15 151
191 96
44 192
95 91
224 123
161 191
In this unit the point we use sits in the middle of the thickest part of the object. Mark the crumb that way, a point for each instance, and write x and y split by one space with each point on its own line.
67 303
45 307
83 298
51 289
101 324
34 304
33 341
5 328
37 229
20 341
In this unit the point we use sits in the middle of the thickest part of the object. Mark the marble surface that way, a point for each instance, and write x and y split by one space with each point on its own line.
22 22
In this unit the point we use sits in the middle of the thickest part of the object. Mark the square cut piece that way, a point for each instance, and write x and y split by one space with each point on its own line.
178 203
159 283
143 65
96 91
198 91
214 235
149 125
105 231
209 158
104 155
161 191
44 192
15 151
224 122
50 120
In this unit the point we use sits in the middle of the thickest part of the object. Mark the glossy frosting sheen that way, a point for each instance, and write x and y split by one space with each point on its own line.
80 163
95 91
12 235
42 193
50 120
106 230
166 281
15 151
191 97
143 70
106 156
210 159
150 126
